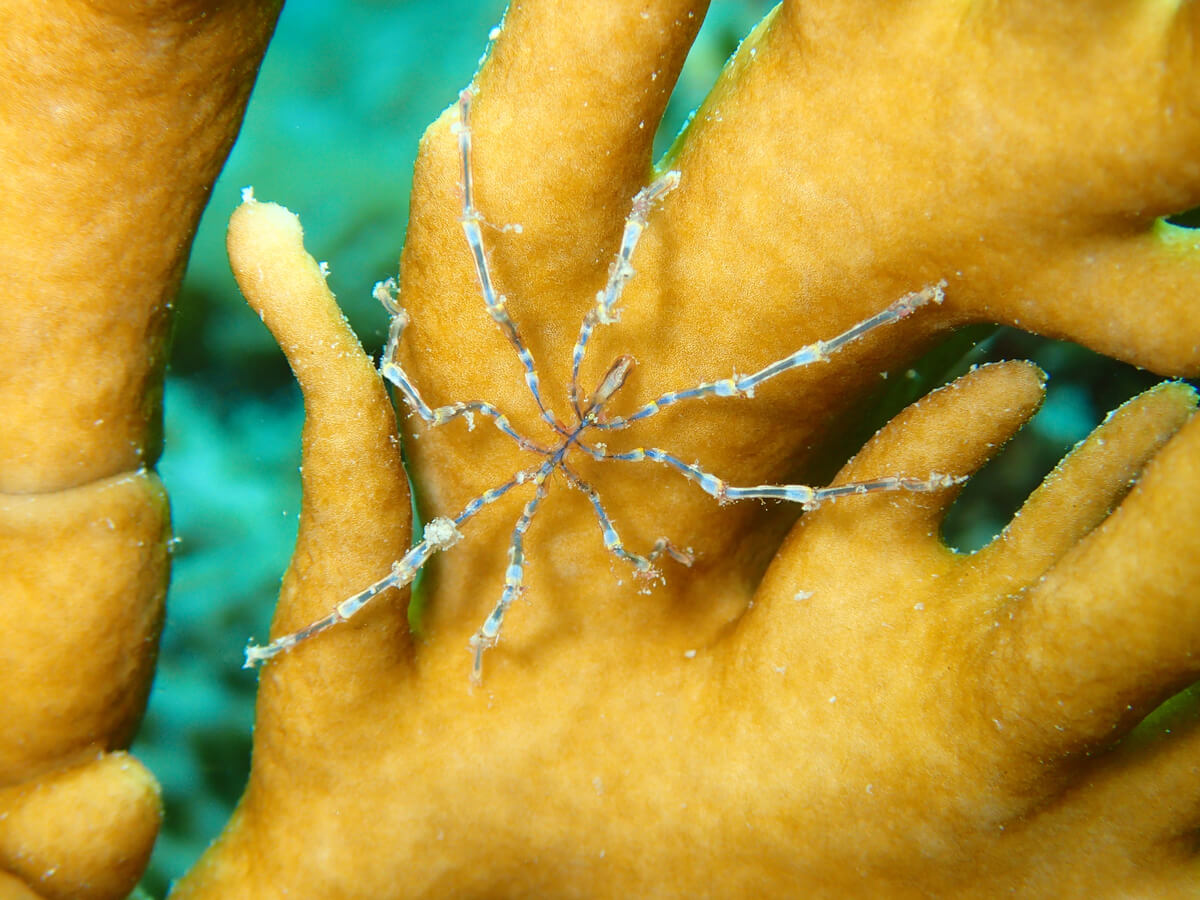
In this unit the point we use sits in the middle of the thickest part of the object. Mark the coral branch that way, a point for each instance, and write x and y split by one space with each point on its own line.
350 440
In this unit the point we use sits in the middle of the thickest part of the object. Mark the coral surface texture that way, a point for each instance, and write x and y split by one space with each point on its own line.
709 682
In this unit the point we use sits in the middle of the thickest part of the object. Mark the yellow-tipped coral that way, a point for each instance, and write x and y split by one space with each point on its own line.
856 710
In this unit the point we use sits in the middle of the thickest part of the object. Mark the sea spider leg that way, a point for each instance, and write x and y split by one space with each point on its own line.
604 311
612 541
390 369
439 534
514 576
471 220
807 497
819 351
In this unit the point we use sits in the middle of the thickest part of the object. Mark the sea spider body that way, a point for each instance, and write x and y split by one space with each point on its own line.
441 532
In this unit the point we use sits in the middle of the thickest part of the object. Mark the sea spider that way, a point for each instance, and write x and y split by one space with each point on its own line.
441 533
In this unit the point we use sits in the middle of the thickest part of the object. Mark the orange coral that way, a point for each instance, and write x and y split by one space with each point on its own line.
856 711
117 117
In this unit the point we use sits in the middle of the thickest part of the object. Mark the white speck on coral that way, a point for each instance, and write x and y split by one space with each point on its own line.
689 654
801 596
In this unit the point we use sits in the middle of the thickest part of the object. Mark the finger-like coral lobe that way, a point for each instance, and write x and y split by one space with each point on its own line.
88 295
82 649
116 118
83 832
351 449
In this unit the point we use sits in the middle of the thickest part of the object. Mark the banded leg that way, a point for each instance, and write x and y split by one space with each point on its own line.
472 220
808 497
385 292
514 577
439 534
604 311
820 351
612 541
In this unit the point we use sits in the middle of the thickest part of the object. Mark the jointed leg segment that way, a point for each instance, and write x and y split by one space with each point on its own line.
390 369
514 576
820 351
808 497
496 303
440 534
605 310
612 541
